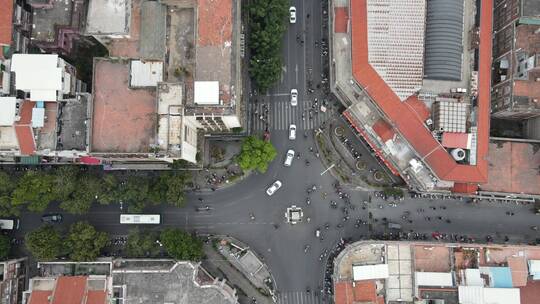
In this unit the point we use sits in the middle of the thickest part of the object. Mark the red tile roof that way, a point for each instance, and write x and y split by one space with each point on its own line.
341 18
6 21
40 297
23 129
365 291
464 188
456 140
406 119
384 130
343 293
96 297
69 290
520 273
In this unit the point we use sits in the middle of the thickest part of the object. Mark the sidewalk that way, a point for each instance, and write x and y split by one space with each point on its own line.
220 266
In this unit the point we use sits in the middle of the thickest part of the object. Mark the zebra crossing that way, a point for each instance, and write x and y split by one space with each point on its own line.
298 297
281 115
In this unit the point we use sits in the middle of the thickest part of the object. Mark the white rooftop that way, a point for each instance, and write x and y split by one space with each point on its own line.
38 117
145 74
396 43
370 272
206 92
39 74
482 295
7 110
108 17
439 279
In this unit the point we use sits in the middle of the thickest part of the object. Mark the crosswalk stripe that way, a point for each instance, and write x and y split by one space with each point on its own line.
281 114
298 297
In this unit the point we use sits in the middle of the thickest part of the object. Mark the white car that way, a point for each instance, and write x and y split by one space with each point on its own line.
292 132
289 158
275 187
292 14
294 97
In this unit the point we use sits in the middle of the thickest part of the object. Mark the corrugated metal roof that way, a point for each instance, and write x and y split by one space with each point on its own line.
444 39
439 279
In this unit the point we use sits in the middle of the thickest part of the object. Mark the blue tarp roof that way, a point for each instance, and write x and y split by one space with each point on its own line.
502 277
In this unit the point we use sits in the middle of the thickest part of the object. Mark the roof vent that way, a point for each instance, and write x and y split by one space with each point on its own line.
458 154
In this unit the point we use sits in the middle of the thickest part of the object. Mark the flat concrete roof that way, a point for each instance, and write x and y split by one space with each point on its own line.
108 17
176 286
124 120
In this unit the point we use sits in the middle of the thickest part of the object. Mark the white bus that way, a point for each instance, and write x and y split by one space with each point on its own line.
140 219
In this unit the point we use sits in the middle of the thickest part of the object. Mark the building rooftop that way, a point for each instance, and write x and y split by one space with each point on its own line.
214 59
67 290
444 40
8 109
153 30
396 49
6 22
23 129
39 74
47 20
106 17
183 282
518 163
405 119
74 122
124 119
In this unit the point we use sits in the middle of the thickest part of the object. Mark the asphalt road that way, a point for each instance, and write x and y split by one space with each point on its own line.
283 248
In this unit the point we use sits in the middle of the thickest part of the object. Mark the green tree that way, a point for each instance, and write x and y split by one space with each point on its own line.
35 189
84 242
256 154
134 192
7 185
267 22
109 190
44 243
80 201
176 185
66 182
181 245
141 244
5 247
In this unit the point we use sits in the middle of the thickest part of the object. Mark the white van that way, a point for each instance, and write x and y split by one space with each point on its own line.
7 224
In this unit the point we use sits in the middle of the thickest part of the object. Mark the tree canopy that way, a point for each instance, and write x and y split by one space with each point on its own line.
256 154
45 243
181 245
84 242
267 22
35 190
141 244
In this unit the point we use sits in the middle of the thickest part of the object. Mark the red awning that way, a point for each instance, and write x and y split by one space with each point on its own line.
89 160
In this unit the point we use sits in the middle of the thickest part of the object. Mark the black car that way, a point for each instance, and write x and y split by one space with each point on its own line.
52 218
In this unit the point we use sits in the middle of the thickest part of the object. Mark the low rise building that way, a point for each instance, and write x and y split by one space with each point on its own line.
126 281
426 115
392 272
13 279
14 28
516 90
57 25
